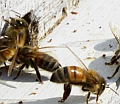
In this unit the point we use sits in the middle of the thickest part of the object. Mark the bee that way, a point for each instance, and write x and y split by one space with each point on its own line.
30 56
115 28
15 34
89 80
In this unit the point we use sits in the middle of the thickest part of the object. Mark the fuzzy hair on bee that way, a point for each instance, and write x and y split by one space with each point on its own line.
21 27
15 34
89 80
115 28
30 56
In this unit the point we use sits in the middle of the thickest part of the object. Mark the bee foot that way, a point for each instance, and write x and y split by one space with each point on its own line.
14 78
109 77
41 82
106 63
62 100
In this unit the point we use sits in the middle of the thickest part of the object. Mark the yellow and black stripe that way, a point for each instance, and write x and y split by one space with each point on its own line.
72 74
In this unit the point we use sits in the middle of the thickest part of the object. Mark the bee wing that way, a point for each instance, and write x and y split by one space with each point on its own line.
115 28
82 65
50 50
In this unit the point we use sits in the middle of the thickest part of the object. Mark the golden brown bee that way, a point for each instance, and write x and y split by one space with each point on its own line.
13 37
17 31
30 56
90 80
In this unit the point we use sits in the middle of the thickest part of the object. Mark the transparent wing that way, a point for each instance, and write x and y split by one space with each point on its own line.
115 28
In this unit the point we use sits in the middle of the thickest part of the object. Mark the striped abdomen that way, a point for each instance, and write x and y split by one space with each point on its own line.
72 74
6 54
47 62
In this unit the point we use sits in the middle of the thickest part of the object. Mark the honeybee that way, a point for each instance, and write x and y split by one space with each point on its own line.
89 80
17 31
115 28
14 35
30 56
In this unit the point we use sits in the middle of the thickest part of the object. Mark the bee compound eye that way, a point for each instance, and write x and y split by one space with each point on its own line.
103 86
21 22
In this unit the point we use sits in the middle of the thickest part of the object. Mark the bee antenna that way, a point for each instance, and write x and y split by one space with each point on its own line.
5 20
77 57
52 47
112 90
19 15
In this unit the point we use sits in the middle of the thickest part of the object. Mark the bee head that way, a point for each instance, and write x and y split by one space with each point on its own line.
18 22
98 83
102 87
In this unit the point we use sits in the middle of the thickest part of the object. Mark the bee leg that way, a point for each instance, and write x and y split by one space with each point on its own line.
88 96
112 61
37 70
67 90
27 66
17 61
20 69
5 65
5 20
97 99
114 72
